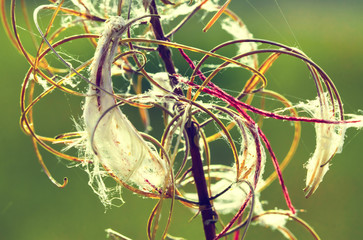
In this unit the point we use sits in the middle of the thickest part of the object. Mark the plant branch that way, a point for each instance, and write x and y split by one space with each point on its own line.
164 51
205 207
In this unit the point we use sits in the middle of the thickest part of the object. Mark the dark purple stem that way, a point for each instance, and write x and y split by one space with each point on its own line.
205 206
164 51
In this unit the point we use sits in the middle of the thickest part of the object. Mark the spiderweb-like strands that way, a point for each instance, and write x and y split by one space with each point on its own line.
109 144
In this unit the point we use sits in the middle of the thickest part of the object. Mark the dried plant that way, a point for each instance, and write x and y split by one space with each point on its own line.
128 41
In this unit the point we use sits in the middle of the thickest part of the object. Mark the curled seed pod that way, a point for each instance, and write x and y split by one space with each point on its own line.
115 142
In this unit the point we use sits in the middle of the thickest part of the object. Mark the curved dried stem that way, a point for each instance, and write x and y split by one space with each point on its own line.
183 154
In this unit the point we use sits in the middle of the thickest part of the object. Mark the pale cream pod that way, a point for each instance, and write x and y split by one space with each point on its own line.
114 141
329 141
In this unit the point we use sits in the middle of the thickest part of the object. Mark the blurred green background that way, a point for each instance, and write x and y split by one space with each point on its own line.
330 32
